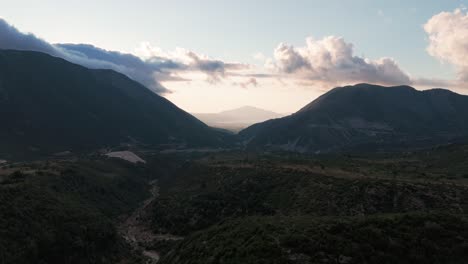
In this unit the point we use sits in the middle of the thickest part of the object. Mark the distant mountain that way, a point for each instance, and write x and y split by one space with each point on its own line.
366 116
50 105
238 118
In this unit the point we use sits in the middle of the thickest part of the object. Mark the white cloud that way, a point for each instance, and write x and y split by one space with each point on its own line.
259 56
331 60
448 40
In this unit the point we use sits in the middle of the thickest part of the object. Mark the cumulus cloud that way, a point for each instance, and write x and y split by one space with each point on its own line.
332 60
448 40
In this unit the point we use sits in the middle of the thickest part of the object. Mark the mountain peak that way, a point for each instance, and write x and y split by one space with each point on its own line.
367 114
248 110
237 118
362 91
49 105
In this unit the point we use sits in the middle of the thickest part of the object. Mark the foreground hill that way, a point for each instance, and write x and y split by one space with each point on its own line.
367 115
64 211
304 209
50 105
411 238
237 119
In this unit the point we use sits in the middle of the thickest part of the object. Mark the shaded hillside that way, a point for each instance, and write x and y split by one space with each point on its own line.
366 116
200 196
64 212
50 105
292 208
413 238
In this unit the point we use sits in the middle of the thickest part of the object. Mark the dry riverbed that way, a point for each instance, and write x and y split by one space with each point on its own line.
136 229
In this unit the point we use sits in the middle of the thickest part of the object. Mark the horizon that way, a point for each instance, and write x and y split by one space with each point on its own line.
249 56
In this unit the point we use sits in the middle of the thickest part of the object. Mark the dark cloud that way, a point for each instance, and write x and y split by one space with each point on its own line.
86 55
11 38
214 69
150 71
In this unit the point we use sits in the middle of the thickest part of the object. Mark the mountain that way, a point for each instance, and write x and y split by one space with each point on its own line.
366 116
50 105
237 119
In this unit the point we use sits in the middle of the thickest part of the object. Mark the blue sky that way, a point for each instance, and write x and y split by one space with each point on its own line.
236 30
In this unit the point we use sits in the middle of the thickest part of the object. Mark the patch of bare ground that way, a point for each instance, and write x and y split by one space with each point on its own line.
136 229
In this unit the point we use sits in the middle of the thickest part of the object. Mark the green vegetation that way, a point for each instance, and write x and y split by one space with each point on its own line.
286 208
235 207
411 238
64 211
40 227
202 195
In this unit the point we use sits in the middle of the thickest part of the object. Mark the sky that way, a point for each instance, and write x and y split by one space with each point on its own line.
209 56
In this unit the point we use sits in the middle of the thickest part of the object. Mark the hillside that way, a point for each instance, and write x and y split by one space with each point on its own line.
65 211
365 116
293 208
412 238
49 105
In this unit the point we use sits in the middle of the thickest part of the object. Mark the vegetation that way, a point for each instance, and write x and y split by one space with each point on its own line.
202 195
64 212
410 238
286 208
236 207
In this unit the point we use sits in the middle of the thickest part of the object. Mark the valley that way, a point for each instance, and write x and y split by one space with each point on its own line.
236 206
96 168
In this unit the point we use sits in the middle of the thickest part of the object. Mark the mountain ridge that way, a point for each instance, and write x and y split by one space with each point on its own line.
365 114
50 105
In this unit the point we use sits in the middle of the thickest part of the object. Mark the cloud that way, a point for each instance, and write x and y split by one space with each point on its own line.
12 38
259 56
86 55
448 40
332 60
152 67
215 69
189 61
249 82
149 72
